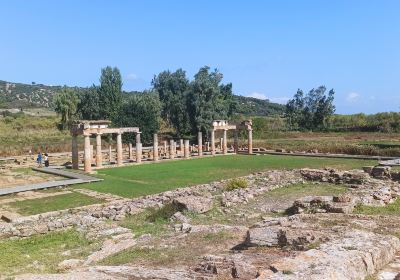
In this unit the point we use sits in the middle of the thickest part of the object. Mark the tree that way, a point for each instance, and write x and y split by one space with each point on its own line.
172 89
209 99
65 104
310 111
110 92
88 106
141 110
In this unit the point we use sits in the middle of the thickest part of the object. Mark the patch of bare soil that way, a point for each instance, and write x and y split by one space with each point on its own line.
17 177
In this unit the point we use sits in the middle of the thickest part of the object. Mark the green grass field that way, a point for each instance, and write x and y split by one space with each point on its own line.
42 253
53 203
133 181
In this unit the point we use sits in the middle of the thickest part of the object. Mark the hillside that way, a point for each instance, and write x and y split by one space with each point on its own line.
257 107
18 95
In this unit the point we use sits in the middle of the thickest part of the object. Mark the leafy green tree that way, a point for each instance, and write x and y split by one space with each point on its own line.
65 104
209 99
172 89
88 106
110 92
310 111
142 110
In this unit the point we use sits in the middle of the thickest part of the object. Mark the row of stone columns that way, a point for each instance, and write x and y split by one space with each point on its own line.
224 141
88 153
184 148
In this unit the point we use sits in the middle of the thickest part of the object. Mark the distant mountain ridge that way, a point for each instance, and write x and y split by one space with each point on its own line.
19 95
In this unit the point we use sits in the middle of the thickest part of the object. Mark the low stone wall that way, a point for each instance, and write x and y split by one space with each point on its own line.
91 219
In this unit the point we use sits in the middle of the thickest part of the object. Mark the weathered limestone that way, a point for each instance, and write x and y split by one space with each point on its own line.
250 141
165 148
110 155
119 149
91 154
181 147
89 128
138 138
75 152
171 149
138 152
200 143
225 142
354 256
197 204
155 147
87 159
236 141
99 159
130 151
187 152
212 142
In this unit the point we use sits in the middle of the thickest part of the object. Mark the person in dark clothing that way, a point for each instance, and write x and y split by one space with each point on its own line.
46 160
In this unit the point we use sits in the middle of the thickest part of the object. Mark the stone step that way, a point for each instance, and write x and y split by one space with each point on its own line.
391 271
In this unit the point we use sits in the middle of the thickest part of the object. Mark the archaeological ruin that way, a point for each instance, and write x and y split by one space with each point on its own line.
168 151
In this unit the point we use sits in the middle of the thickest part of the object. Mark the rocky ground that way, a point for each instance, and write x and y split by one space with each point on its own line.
299 224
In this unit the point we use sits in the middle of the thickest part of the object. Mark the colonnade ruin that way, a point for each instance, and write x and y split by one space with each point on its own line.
168 150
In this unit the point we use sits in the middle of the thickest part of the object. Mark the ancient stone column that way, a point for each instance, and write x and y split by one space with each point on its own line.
119 149
181 147
250 141
91 153
99 158
130 152
75 152
225 142
200 143
186 149
165 148
171 149
213 142
87 159
110 153
155 147
138 152
236 141
208 146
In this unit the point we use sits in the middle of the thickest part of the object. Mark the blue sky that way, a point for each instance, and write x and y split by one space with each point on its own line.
267 49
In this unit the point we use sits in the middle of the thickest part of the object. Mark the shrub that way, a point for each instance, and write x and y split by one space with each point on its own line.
163 213
237 183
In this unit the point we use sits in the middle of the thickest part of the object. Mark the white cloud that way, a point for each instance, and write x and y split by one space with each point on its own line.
257 95
353 97
131 77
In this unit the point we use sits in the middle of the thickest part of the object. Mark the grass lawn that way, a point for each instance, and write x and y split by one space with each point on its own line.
47 204
133 181
42 253
389 209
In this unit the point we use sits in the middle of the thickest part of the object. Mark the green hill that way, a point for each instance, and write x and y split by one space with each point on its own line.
18 95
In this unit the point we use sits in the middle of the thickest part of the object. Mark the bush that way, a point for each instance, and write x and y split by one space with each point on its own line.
163 213
238 183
